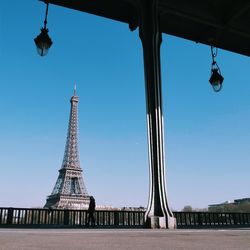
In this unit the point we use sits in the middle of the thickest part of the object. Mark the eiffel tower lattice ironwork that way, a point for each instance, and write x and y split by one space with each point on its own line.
69 190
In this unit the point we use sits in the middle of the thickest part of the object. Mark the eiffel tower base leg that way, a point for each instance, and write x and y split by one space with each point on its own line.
158 213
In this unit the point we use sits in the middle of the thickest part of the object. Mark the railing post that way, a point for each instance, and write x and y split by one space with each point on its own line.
200 221
10 216
235 219
51 215
116 218
66 217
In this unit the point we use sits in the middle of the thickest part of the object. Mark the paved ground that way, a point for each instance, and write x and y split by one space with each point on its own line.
65 239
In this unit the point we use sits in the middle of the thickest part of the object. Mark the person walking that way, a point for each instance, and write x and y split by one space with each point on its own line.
91 210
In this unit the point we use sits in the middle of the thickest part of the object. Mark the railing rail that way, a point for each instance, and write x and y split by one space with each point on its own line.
69 218
34 217
211 219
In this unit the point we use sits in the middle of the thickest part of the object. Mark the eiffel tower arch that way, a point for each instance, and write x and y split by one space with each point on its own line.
70 191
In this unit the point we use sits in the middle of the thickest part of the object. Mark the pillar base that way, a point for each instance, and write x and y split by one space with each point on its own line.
156 222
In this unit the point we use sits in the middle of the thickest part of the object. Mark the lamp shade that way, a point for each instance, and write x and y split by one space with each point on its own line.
216 80
43 42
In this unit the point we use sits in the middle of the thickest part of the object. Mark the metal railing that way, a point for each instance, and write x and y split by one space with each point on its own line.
211 219
34 217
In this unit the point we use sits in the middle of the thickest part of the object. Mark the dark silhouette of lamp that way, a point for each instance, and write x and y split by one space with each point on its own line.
216 79
43 41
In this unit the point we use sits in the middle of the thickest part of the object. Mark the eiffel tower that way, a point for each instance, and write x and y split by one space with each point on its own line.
69 190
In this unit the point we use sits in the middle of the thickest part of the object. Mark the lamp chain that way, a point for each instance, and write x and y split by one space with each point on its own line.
214 52
46 15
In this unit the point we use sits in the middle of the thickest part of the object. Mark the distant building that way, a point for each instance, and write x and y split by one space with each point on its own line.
220 204
235 202
238 201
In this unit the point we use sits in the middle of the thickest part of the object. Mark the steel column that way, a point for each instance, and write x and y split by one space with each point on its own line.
158 214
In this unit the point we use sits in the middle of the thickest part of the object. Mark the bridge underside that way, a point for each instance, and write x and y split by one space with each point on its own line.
220 23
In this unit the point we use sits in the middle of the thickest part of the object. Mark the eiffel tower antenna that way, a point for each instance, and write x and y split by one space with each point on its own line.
75 89
69 190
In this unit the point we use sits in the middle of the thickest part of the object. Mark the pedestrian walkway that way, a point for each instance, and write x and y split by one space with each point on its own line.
146 239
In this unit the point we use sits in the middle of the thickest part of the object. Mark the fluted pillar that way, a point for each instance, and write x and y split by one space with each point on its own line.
158 214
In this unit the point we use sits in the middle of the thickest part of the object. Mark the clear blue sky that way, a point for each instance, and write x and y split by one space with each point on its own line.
207 133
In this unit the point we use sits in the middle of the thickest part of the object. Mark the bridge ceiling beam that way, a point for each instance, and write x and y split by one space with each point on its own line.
220 23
